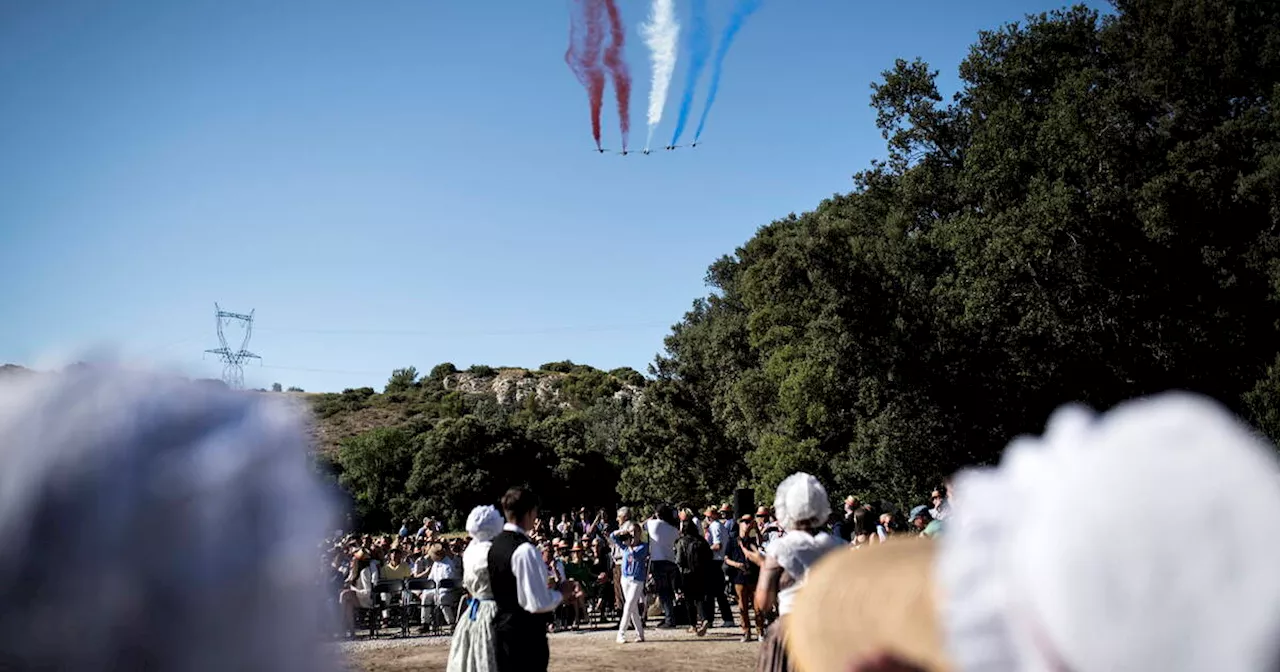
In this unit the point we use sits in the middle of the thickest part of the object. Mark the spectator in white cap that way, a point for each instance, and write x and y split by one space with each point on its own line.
1023 581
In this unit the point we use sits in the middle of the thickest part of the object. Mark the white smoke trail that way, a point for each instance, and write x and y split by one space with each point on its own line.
661 34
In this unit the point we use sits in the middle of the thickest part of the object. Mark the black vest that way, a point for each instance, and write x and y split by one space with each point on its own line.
511 616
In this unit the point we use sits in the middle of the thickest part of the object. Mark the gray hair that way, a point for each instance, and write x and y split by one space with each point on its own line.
187 513
624 511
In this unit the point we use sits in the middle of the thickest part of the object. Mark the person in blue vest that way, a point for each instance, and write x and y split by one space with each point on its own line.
519 579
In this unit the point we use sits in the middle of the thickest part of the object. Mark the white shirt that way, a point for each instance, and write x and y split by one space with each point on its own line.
718 535
662 540
796 552
616 550
365 581
440 571
941 511
531 577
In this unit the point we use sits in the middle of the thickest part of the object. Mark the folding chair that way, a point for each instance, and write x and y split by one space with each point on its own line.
454 587
415 587
382 592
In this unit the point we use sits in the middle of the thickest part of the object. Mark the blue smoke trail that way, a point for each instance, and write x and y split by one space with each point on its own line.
699 49
741 13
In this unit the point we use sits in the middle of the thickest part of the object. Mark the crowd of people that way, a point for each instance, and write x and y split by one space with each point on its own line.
677 566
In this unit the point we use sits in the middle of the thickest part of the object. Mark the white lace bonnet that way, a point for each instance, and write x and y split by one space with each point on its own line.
1142 539
1145 538
484 523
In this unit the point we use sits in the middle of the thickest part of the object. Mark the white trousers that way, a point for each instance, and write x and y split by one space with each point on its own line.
633 603
447 601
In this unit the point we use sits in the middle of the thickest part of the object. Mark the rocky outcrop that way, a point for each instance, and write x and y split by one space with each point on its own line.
513 386
510 386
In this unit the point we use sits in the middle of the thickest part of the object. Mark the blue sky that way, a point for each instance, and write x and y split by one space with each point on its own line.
402 183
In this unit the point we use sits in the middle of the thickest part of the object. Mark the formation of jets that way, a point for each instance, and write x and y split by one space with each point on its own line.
646 152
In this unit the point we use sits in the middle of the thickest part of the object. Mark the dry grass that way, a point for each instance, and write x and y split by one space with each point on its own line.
593 651
328 433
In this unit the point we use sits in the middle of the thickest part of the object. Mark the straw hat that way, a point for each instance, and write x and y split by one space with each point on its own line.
876 599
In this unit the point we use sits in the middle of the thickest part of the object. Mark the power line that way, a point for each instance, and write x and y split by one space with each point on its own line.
462 332
411 332
311 370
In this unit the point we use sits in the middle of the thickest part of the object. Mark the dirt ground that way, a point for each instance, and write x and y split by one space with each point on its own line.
596 651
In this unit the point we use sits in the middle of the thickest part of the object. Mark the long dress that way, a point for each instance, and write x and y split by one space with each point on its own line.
472 648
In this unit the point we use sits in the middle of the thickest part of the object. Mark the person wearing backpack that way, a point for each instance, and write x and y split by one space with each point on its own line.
696 562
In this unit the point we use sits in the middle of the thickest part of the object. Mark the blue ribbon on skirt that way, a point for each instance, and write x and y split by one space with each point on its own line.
475 606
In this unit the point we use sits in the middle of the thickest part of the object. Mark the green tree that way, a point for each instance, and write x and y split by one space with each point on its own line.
441 371
482 371
375 468
628 376
402 379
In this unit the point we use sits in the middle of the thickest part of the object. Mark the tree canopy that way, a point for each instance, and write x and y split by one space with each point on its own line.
1093 216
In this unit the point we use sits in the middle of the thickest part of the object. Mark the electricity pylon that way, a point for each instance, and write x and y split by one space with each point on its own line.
233 360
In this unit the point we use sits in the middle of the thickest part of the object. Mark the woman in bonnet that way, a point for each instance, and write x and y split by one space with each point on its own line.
801 506
472 647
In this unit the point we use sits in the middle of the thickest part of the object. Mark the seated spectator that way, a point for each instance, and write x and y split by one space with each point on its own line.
441 601
422 567
924 523
394 568
941 506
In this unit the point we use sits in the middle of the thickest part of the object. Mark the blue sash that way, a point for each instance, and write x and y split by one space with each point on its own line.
475 605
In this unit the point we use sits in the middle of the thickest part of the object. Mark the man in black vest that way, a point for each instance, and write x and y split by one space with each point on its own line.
520 589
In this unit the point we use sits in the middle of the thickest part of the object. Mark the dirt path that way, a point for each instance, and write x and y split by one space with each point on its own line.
595 651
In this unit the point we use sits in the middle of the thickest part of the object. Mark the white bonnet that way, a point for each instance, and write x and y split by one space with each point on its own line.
801 497
484 523
183 500
1145 538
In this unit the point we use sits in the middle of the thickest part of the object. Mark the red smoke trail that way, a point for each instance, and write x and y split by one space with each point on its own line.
613 59
583 55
